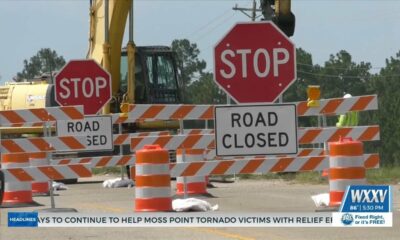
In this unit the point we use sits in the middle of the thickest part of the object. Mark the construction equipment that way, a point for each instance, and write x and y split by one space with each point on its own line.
139 74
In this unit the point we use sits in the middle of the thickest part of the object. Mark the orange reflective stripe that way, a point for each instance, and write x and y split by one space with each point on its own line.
190 141
312 163
162 141
304 152
152 181
11 146
71 142
51 173
282 164
369 133
302 108
72 112
14 158
222 167
121 139
362 103
40 144
331 106
209 114
20 174
309 136
12 117
81 170
190 151
340 132
103 161
347 173
193 168
352 148
37 155
251 166
152 111
124 160
372 161
42 114
182 111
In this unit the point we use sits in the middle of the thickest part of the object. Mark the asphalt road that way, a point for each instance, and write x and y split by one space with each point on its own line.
241 196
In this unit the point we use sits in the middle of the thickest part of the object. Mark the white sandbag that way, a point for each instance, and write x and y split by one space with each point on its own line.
59 186
192 204
321 200
118 183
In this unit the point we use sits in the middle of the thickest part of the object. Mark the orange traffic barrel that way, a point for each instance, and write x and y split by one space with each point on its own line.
39 159
346 167
153 181
16 193
196 185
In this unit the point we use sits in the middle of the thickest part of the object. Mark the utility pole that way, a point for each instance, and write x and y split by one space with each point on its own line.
253 10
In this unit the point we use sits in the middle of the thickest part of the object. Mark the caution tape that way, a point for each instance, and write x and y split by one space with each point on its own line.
261 165
44 144
36 116
149 112
93 162
46 173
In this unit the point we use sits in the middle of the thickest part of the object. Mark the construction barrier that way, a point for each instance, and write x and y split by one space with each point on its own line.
45 144
346 167
153 181
36 117
36 160
94 162
149 112
15 193
196 185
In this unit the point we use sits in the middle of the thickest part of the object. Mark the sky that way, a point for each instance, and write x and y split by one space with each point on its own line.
368 29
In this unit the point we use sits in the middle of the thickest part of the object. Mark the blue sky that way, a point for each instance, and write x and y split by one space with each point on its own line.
368 29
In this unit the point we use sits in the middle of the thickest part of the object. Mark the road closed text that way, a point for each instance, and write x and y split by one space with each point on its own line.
256 129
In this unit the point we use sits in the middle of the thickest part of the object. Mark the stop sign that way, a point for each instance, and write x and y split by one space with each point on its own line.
255 62
83 82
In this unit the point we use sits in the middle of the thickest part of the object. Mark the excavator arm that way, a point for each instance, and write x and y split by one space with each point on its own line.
105 43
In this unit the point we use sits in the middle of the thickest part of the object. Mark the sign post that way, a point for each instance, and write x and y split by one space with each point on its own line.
256 130
255 62
83 82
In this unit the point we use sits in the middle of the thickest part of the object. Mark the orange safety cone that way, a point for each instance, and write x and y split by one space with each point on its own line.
346 167
16 193
153 180
39 159
196 185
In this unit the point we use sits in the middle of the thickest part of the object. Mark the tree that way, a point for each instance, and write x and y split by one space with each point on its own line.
205 91
45 61
188 62
386 85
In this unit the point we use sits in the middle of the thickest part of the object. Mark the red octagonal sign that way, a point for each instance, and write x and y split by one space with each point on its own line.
255 62
83 82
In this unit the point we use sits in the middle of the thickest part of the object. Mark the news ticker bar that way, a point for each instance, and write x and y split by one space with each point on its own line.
200 219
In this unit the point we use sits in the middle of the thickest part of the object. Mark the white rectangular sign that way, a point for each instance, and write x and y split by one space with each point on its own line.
98 131
256 130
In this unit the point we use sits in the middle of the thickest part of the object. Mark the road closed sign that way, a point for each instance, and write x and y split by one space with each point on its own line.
256 130
98 131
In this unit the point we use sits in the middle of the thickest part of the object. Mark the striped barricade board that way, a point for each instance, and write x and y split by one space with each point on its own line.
36 116
334 106
122 139
45 144
46 173
93 162
305 136
260 165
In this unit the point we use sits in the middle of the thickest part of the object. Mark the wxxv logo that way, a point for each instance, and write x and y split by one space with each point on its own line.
367 199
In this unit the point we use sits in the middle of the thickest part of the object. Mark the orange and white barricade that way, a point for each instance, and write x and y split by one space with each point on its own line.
196 185
346 167
16 193
153 181
39 159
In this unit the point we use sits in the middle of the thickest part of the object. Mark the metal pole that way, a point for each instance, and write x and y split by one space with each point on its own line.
185 194
47 133
121 151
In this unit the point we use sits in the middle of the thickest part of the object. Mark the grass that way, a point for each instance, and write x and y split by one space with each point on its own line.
383 175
